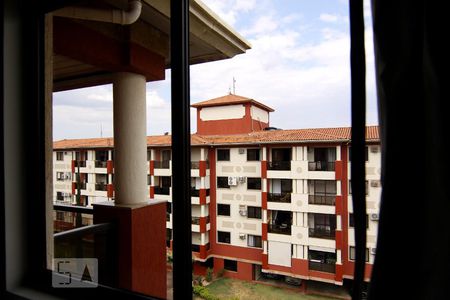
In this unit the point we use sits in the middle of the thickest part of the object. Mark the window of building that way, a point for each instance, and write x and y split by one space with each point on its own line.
223 237
222 182
351 222
59 196
101 155
253 155
253 183
254 212
223 209
352 253
149 154
230 265
149 179
350 187
166 181
223 154
59 155
254 241
366 153
166 155
59 176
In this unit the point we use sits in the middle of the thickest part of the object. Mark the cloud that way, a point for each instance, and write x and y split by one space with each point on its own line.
329 18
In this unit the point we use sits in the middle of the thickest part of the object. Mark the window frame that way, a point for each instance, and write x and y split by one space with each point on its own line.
60 155
254 150
234 263
222 178
256 183
352 250
221 150
223 205
219 233
257 238
255 209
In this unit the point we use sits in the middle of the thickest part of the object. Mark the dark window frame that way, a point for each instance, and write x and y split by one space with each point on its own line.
351 221
254 212
257 238
230 265
223 154
59 155
254 183
222 182
254 151
352 253
220 207
222 238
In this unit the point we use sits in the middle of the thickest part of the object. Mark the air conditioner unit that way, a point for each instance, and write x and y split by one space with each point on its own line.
241 151
374 183
243 213
242 236
373 251
374 149
242 179
232 180
374 217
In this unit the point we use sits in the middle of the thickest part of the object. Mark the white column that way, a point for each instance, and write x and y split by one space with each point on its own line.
338 153
202 154
130 141
264 153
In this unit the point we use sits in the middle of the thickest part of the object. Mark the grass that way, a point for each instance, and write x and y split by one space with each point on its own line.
226 288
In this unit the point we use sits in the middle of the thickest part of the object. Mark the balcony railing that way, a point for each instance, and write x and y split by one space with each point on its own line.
167 217
165 164
100 163
322 267
195 193
279 165
195 221
195 165
162 190
280 229
322 233
321 166
80 163
279 197
322 199
100 186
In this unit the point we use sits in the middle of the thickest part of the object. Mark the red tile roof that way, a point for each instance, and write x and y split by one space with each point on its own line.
230 100
337 134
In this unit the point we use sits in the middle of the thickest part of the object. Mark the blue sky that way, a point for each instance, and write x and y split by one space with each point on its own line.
298 65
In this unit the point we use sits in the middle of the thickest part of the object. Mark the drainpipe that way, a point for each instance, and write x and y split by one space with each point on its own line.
116 16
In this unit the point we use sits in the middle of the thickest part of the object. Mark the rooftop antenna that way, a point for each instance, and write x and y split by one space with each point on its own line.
229 90
101 130
234 86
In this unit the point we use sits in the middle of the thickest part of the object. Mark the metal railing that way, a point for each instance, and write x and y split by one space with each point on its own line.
80 163
162 190
322 199
322 267
195 220
195 165
321 166
195 193
279 165
322 233
165 164
101 187
279 197
280 229
100 163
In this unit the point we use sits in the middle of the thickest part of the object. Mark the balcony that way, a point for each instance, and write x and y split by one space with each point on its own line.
80 163
101 187
321 166
279 229
279 197
317 265
164 190
195 220
195 165
279 165
196 193
322 199
322 233
81 185
100 163
165 164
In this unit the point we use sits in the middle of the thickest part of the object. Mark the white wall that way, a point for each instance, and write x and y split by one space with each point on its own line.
259 114
222 112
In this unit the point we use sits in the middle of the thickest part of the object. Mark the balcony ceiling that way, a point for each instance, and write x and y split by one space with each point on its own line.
210 40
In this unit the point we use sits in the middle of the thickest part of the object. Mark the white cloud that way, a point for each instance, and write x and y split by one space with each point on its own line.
329 18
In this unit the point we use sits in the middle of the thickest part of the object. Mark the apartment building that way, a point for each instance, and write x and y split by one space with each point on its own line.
264 200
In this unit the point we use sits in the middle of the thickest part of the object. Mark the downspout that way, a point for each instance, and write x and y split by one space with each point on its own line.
116 16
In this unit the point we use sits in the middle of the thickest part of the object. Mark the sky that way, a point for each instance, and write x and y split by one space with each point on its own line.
299 65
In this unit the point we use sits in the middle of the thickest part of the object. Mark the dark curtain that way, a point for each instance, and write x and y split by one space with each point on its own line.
411 52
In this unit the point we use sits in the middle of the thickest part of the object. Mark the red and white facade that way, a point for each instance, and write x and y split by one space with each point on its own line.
263 200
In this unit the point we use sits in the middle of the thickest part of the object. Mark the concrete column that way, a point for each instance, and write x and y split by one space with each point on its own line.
130 141
338 153
264 153
202 154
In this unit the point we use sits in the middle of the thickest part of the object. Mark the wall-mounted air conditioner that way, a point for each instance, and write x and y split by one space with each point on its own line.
242 179
232 180
374 217
242 236
243 213
375 183
374 149
241 151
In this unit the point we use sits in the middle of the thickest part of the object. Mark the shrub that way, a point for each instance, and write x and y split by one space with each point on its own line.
209 274
204 293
